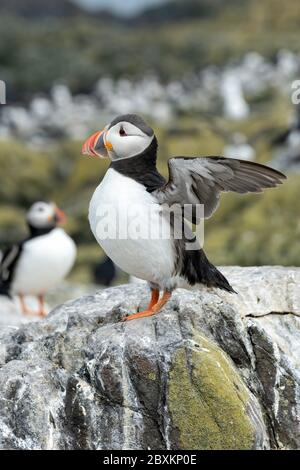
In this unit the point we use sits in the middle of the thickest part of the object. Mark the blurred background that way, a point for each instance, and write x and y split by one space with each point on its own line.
211 76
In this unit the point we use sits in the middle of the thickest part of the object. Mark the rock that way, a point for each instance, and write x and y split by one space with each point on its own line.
10 314
271 289
11 310
211 371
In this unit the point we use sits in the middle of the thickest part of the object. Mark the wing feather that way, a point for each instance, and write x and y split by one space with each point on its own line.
201 180
8 260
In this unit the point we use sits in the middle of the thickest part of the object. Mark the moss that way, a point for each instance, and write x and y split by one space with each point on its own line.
152 376
208 401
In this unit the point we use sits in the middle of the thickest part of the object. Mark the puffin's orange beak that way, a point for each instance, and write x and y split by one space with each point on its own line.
60 216
95 145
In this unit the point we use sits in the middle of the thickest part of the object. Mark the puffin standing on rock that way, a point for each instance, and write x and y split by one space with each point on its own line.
132 179
41 261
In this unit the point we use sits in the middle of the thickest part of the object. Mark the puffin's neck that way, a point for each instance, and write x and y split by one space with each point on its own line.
37 232
141 168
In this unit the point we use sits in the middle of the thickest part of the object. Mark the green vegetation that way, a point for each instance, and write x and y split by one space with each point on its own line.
79 50
208 400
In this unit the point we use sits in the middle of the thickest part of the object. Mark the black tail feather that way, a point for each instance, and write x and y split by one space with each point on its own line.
198 269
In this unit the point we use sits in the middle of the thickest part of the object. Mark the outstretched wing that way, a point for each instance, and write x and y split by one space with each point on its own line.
201 180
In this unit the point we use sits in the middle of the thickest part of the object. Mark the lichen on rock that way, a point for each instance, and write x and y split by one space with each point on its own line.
208 401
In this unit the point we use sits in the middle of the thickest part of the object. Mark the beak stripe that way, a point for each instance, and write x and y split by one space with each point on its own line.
89 145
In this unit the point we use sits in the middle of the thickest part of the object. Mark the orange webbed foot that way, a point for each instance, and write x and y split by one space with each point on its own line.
145 313
154 307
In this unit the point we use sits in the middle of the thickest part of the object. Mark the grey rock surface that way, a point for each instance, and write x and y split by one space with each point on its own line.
211 371
10 309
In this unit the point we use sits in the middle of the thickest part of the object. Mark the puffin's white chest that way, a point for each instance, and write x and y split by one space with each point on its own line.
44 262
132 239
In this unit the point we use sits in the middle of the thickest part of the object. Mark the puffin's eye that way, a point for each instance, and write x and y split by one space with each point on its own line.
122 132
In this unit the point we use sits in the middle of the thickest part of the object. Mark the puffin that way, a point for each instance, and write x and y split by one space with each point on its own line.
39 262
133 194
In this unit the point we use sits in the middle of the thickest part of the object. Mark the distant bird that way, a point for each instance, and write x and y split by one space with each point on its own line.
132 181
42 260
235 105
287 145
238 147
104 272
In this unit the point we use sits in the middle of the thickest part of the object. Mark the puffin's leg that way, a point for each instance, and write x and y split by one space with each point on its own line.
25 309
42 312
154 299
148 311
157 307
154 309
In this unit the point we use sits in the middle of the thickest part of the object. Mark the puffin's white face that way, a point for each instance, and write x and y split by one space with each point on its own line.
44 215
127 136
125 140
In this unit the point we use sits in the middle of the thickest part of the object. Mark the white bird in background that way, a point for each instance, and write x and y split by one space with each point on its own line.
239 148
132 179
41 261
235 105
